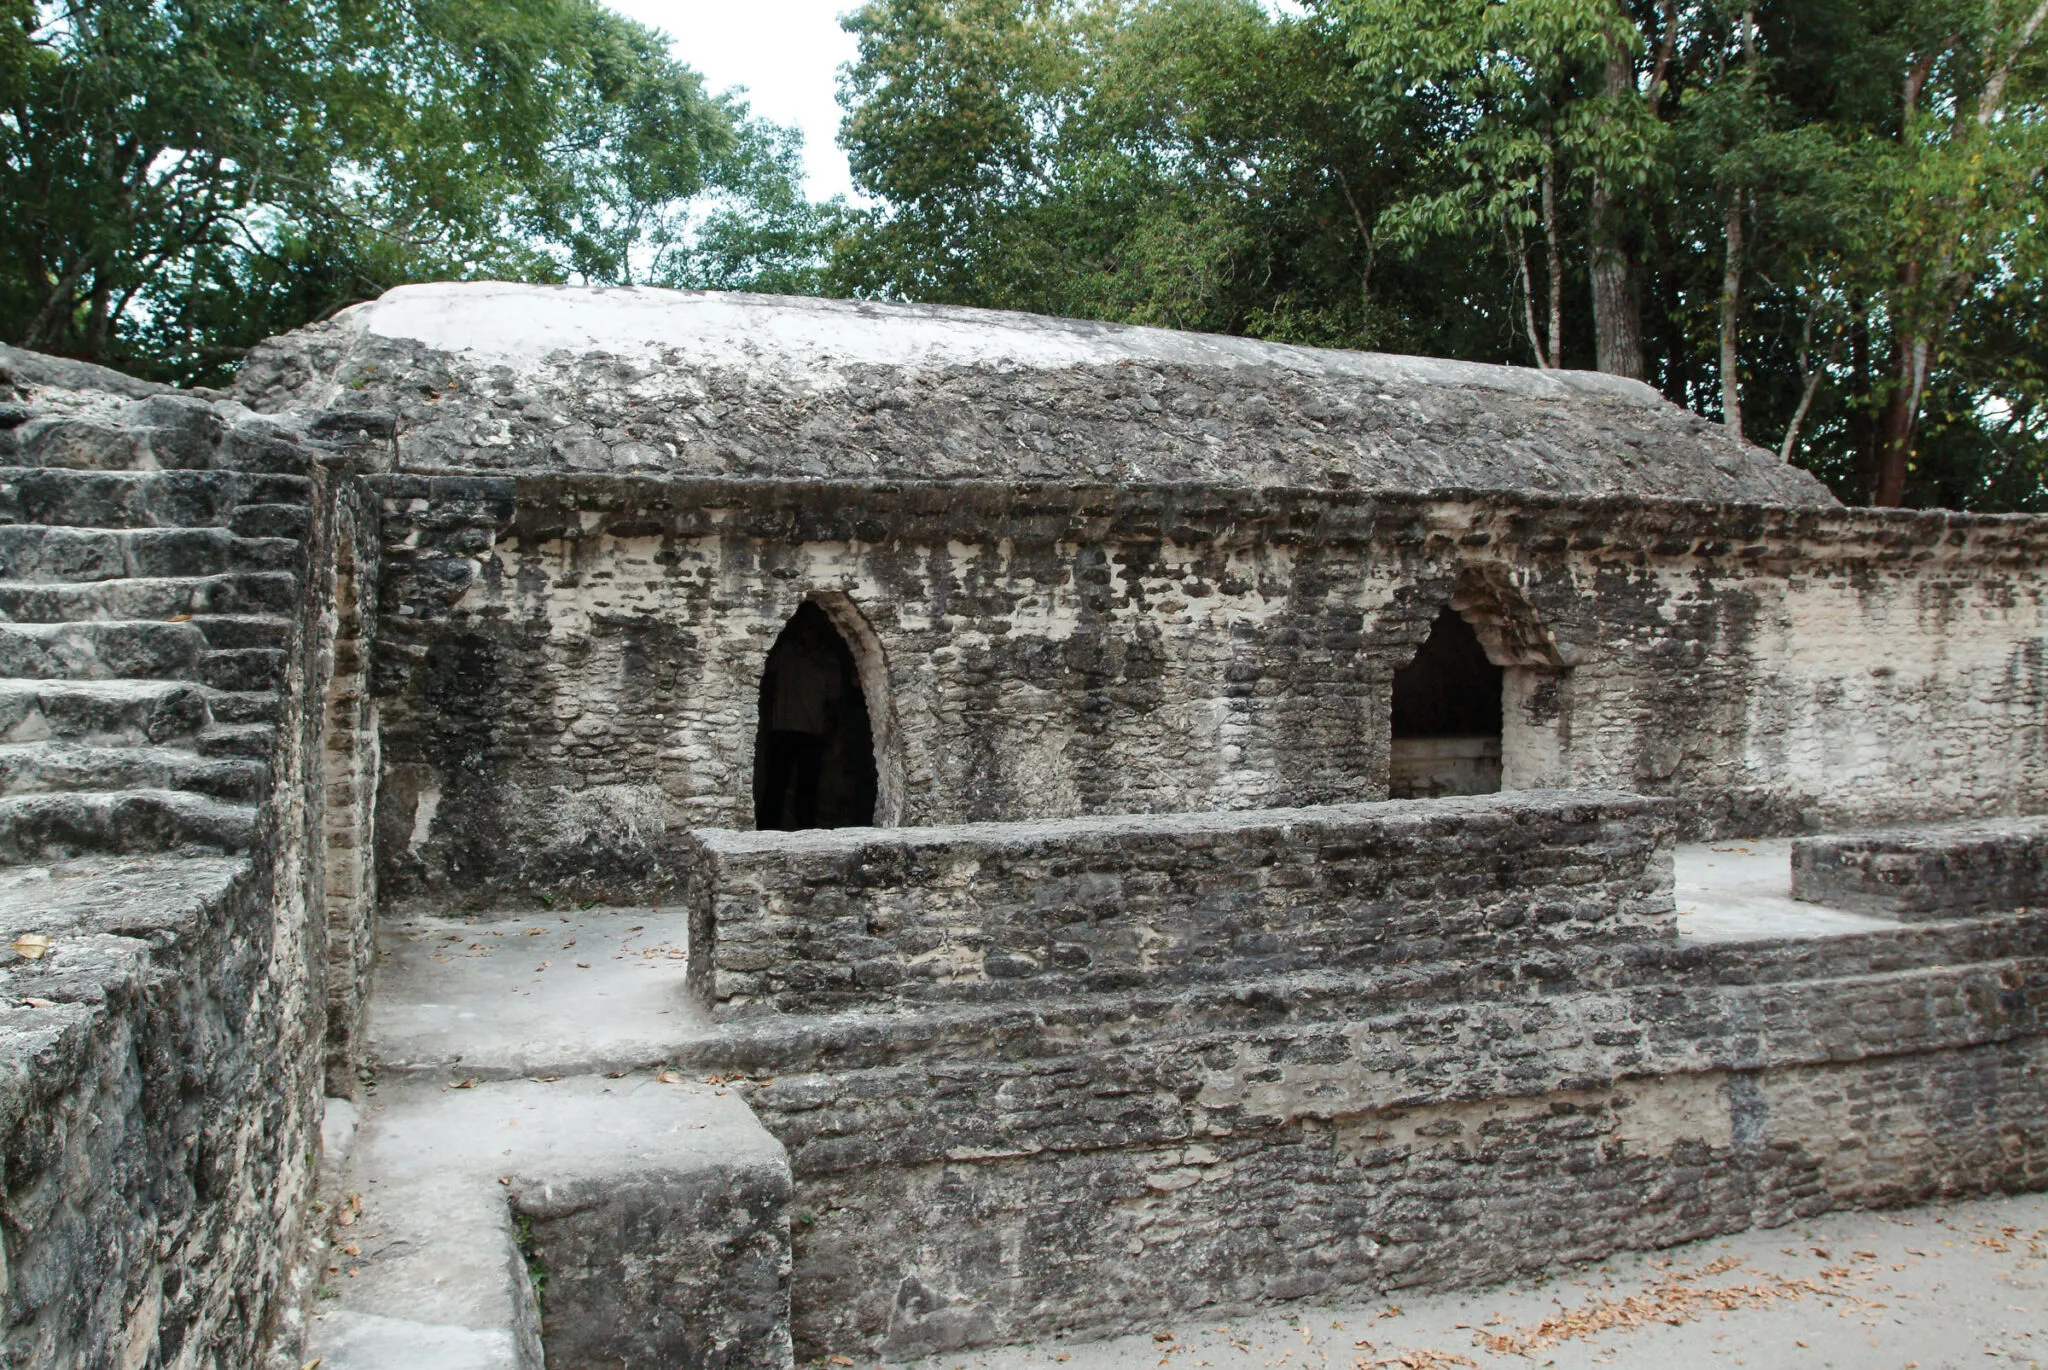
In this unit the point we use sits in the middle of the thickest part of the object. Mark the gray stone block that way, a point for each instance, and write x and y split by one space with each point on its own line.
820 920
1957 871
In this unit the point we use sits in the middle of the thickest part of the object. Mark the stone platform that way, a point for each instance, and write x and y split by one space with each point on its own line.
941 1167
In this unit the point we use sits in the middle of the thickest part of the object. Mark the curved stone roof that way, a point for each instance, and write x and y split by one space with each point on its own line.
492 377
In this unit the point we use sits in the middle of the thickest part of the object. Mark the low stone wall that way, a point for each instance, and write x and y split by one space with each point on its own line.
1244 1113
1990 867
824 920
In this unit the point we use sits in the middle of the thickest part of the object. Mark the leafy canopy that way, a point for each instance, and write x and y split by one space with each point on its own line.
185 176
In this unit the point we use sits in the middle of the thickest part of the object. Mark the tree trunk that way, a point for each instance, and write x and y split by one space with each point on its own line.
1902 406
1553 263
1731 306
1617 315
1895 431
1862 428
1617 321
1910 355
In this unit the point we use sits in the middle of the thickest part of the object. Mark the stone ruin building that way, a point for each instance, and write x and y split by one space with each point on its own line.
645 829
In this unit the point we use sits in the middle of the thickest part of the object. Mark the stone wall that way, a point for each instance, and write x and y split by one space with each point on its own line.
568 668
1095 1163
162 967
1943 872
816 922
349 765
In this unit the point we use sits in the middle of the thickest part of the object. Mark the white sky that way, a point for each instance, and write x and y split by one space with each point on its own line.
786 53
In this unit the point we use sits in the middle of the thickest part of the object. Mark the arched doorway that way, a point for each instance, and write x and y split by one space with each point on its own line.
1447 716
814 752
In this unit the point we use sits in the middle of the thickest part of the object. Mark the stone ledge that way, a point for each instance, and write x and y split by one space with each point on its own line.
658 1212
821 920
444 508
1994 866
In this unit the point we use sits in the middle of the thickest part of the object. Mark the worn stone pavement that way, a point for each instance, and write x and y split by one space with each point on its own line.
1936 1288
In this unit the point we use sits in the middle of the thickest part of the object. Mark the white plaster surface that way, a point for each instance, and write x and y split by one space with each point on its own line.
514 323
1935 1288
427 1272
541 994
1740 891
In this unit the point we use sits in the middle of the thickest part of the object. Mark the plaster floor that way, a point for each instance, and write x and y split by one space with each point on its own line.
1934 1288
1740 891
539 993
572 992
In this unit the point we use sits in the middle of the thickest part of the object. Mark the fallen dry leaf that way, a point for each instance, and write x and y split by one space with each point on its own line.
31 946
1674 1302
1424 1358
39 1003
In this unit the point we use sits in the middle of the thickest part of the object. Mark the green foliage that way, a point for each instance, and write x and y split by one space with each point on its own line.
1186 163
760 232
186 176
1861 268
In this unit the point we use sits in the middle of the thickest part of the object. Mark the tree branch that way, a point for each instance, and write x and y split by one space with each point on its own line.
1994 88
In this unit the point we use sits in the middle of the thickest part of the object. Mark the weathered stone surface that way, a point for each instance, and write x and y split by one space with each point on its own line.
1046 652
1987 867
493 377
163 1051
874 917
1101 1161
614 1220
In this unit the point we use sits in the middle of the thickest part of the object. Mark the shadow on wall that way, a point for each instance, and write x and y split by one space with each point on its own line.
1447 716
814 751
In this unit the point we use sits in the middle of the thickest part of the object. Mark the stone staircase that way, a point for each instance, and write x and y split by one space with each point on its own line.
145 620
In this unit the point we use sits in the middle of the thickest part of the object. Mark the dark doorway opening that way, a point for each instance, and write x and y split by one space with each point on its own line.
814 755
1447 716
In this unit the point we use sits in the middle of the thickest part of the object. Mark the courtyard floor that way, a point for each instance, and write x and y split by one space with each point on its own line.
1935 1288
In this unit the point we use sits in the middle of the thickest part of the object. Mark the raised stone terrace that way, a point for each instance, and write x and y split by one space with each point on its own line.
1433 1043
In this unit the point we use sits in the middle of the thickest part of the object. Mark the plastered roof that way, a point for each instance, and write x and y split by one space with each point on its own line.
495 377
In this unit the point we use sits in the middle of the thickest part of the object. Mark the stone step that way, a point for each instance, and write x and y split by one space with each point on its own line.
151 499
41 552
149 597
244 668
116 712
56 827
108 649
123 712
251 740
112 649
225 631
587 1181
243 706
55 767
270 521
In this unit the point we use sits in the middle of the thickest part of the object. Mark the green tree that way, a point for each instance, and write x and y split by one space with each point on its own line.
184 176
1188 163
1544 111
